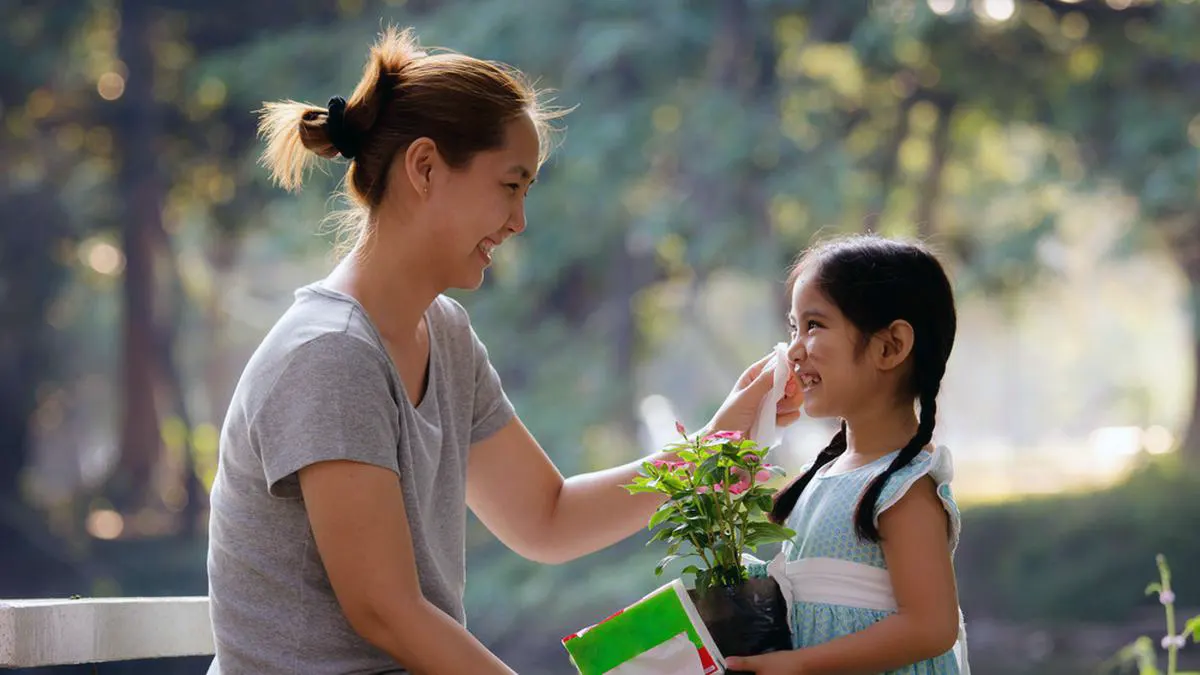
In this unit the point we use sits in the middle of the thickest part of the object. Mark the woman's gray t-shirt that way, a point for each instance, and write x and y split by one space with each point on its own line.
321 386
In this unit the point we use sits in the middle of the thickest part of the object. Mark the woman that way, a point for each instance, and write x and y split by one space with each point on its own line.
370 417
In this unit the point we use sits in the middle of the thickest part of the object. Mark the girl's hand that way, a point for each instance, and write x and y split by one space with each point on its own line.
775 663
740 409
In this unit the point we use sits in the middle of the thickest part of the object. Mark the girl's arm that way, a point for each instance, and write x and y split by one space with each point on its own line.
917 550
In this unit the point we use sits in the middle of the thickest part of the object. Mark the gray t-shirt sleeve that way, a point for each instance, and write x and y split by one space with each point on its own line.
492 409
333 401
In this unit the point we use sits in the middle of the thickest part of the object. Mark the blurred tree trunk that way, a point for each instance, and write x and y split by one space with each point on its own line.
173 376
29 281
931 184
889 161
140 183
1185 245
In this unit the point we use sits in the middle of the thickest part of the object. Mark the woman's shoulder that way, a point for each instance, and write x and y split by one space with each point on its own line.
452 329
318 342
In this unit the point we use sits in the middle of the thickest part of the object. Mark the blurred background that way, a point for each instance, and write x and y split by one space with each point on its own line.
1049 150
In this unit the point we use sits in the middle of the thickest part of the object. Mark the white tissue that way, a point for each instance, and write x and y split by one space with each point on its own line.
764 431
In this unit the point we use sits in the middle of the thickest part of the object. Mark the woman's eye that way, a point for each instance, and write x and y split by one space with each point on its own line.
513 186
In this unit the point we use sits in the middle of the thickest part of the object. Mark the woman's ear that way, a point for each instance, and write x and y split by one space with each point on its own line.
891 346
419 161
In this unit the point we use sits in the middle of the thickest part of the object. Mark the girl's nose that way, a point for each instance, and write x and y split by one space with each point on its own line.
796 351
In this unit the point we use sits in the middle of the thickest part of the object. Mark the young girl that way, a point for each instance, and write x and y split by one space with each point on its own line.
869 577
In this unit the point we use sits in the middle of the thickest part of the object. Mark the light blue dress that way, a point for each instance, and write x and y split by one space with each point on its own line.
824 523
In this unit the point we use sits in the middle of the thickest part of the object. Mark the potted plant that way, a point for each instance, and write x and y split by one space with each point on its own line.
717 501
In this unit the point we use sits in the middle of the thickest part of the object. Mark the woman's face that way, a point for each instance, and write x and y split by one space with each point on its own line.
476 208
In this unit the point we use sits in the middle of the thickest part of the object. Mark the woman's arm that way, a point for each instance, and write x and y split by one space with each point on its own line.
916 547
358 520
516 491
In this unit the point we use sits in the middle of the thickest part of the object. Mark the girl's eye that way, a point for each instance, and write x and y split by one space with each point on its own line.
813 324
513 186
792 330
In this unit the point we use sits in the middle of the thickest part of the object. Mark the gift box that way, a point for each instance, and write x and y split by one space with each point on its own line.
661 634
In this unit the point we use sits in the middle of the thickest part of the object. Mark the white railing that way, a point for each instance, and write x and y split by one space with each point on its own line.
49 632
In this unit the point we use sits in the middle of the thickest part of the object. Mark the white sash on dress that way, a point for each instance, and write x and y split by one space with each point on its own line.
841 582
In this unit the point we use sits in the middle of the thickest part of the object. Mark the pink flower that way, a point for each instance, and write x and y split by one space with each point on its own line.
672 465
701 489
739 487
762 476
725 436
752 458
1166 597
680 428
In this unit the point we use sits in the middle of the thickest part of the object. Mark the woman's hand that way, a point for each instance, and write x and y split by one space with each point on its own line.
775 663
740 409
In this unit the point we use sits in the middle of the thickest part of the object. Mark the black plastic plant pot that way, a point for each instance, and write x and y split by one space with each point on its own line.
745 620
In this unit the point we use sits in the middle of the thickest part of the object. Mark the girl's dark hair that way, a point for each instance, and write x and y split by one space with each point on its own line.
874 281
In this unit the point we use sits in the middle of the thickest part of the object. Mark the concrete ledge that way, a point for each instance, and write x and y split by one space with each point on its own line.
49 632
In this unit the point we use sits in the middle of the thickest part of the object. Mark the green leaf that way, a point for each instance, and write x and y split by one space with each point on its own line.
706 471
706 506
664 513
1142 652
637 489
662 535
761 533
658 569
765 502
1193 627
672 482
1154 588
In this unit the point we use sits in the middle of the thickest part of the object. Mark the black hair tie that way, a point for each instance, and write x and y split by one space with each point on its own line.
343 140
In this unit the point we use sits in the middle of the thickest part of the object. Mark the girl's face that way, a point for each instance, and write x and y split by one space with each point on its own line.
827 355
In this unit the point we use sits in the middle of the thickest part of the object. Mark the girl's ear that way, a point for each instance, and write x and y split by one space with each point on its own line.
891 346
